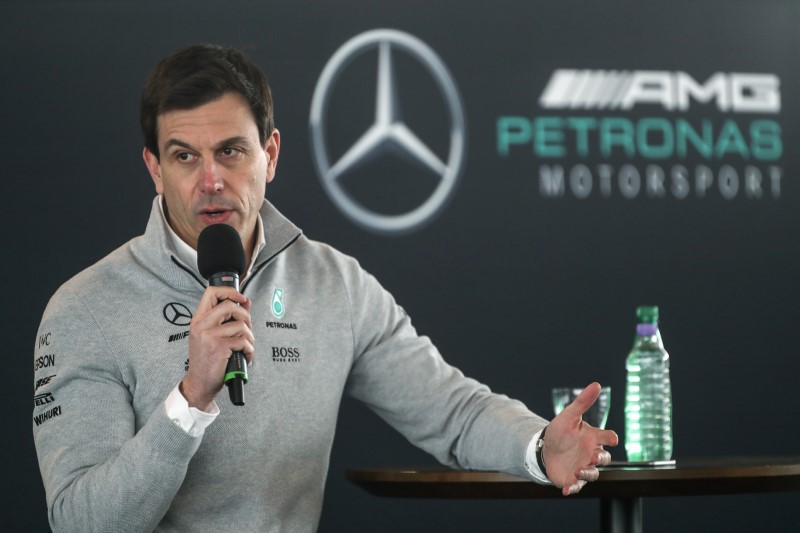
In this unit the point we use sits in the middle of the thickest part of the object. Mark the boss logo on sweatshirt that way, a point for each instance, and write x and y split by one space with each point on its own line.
281 354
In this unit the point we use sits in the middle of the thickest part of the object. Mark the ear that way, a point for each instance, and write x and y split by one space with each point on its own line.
154 167
272 148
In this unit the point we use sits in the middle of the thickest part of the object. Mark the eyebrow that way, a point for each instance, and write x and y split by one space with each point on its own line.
238 139
176 142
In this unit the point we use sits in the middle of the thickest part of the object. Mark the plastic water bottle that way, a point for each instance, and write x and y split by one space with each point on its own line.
648 394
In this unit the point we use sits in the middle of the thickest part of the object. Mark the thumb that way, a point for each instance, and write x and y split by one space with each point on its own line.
584 401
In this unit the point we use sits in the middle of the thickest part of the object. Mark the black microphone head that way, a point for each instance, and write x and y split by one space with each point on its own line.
219 249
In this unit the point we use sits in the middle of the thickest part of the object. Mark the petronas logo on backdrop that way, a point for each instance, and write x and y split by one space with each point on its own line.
652 134
278 309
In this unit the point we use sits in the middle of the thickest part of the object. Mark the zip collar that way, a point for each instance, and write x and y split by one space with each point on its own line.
155 251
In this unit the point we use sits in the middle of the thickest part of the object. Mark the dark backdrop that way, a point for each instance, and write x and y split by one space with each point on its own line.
519 289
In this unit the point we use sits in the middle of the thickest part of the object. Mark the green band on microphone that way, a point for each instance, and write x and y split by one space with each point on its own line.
230 375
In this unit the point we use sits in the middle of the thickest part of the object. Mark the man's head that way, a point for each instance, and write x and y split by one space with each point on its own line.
197 75
210 143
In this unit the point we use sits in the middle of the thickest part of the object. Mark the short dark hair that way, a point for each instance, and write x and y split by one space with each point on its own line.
200 74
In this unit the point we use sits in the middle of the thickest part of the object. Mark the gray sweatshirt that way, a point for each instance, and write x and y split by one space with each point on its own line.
113 344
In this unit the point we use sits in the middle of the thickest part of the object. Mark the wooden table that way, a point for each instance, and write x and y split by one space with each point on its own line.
620 488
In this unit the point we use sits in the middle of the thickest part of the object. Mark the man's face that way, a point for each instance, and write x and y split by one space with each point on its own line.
213 168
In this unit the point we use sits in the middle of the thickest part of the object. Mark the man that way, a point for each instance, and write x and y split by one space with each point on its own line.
132 437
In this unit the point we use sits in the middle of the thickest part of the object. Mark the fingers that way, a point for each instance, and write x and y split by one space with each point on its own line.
219 305
234 337
214 296
225 328
220 326
601 458
582 476
585 456
587 474
607 437
574 488
235 330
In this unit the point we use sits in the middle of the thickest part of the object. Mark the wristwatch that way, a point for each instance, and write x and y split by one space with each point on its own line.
540 452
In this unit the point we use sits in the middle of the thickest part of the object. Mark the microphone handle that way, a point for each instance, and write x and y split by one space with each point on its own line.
236 371
235 377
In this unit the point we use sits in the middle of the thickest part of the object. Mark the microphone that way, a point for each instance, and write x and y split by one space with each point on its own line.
220 259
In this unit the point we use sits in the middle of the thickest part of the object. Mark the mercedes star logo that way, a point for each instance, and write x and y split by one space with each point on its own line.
388 133
177 314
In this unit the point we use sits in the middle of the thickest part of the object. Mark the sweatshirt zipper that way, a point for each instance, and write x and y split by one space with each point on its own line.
258 268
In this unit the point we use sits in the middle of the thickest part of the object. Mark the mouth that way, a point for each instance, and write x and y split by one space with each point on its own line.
215 215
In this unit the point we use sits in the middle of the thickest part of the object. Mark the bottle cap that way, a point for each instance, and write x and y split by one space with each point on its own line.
647 314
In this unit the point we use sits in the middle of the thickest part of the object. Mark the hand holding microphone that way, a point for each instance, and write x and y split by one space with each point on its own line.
221 339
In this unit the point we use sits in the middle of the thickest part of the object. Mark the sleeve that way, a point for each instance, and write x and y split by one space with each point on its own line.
402 377
190 419
99 473
532 465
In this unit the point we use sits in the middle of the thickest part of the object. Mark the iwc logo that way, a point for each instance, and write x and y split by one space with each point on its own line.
388 135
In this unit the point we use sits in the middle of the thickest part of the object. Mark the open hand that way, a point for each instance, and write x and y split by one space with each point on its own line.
572 448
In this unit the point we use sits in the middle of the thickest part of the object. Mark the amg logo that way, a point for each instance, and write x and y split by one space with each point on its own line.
42 382
43 399
612 89
47 415
178 336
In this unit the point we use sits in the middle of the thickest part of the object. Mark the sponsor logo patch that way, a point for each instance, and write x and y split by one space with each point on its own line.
178 336
281 354
282 325
44 361
47 415
177 314
43 399
278 307
42 382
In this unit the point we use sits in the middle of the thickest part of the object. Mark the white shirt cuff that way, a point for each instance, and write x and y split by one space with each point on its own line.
190 419
532 465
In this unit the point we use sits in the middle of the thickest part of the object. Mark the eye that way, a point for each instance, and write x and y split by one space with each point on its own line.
230 151
185 157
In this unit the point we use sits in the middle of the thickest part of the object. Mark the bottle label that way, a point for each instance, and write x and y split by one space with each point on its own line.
646 330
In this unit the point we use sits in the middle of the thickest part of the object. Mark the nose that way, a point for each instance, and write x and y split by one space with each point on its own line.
211 181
